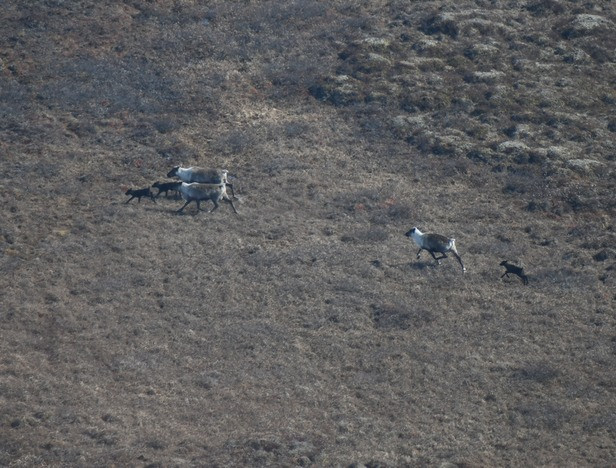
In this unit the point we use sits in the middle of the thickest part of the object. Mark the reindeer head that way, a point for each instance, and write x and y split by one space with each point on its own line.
173 172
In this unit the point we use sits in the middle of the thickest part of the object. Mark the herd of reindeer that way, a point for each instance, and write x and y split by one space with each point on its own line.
195 184
198 184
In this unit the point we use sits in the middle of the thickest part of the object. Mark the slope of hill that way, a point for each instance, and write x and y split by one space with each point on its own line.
304 331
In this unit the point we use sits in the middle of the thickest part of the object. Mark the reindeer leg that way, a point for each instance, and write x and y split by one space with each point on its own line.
459 260
227 199
215 205
419 252
182 209
231 187
438 259
232 205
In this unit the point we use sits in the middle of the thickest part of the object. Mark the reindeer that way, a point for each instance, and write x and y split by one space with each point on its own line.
435 243
144 192
201 175
515 270
199 192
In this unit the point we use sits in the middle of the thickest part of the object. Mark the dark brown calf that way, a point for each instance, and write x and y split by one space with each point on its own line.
166 187
144 192
515 270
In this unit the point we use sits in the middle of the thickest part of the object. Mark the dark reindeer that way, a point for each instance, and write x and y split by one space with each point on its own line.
515 270
166 187
144 192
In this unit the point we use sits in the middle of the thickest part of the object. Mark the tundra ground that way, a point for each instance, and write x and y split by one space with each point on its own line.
304 331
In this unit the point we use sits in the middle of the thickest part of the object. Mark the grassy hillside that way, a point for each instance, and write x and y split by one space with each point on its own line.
304 331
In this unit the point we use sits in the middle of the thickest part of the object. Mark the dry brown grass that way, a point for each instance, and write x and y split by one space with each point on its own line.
304 331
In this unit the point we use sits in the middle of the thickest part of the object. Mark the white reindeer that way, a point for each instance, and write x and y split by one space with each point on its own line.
201 175
435 243
199 192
